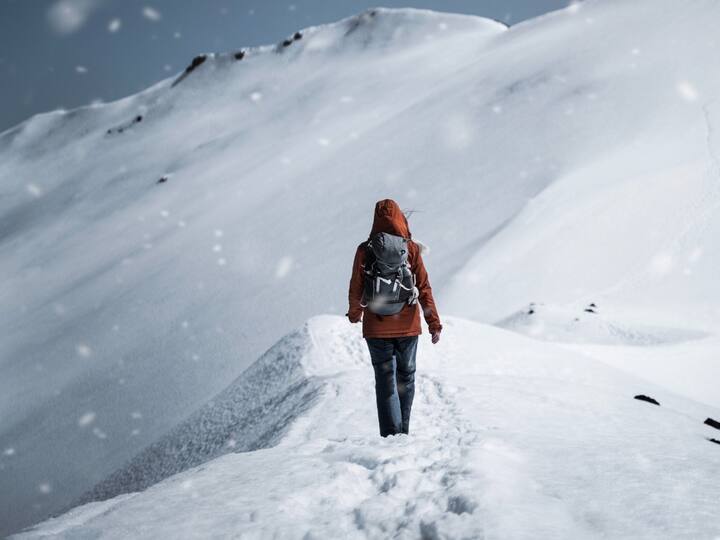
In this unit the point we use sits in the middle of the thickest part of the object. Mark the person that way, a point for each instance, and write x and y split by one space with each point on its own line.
392 339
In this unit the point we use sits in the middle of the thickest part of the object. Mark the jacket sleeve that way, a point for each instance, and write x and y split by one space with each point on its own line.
427 302
355 310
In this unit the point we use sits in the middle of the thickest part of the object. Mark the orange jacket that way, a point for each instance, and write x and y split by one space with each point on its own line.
390 219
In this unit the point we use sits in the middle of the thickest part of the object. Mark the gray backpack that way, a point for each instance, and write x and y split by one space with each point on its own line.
388 282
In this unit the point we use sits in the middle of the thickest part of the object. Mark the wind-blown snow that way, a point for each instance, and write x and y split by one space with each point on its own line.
507 443
567 160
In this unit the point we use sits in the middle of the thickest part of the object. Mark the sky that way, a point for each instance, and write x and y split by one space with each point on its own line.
57 54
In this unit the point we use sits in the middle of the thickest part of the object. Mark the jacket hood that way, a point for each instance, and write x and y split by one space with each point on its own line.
390 219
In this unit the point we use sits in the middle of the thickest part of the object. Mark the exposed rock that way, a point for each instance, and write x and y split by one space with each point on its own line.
643 397
197 61
127 125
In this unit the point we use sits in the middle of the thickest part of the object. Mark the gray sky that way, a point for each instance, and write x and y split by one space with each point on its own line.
67 53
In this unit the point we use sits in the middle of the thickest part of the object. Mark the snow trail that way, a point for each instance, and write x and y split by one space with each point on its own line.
510 438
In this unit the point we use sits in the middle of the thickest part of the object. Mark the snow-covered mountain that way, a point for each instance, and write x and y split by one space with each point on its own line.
153 248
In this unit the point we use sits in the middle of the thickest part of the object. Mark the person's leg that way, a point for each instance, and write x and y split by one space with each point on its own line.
405 351
388 404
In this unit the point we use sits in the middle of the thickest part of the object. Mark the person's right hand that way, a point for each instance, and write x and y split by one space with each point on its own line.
353 319
435 337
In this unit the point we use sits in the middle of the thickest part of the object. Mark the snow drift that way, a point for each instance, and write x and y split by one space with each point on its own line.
151 249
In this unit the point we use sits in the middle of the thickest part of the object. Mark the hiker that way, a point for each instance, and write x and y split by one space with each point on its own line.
388 280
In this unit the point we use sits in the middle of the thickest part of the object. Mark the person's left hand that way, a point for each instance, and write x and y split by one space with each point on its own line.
435 337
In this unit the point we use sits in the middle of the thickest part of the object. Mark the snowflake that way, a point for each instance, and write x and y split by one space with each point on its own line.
151 13
83 350
283 267
86 419
114 25
34 190
687 91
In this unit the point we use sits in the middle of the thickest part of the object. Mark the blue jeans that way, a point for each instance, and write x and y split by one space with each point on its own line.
393 360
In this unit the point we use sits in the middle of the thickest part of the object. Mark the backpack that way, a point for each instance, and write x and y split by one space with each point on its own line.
388 282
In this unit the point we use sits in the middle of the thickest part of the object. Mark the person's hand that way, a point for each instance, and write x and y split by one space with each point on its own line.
435 337
353 318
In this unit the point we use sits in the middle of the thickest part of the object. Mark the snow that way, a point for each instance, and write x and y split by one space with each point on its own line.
69 16
151 14
512 438
468 124
114 25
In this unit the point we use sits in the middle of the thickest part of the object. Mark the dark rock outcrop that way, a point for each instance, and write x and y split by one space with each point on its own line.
643 397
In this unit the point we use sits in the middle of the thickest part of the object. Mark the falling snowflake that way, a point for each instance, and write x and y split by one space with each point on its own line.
83 350
283 267
322 141
136 415
86 419
218 233
256 96
114 25
68 16
151 14
34 190
99 433
9 451
687 91
44 488
81 69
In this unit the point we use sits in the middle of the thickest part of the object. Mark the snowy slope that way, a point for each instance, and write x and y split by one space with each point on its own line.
511 439
566 160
